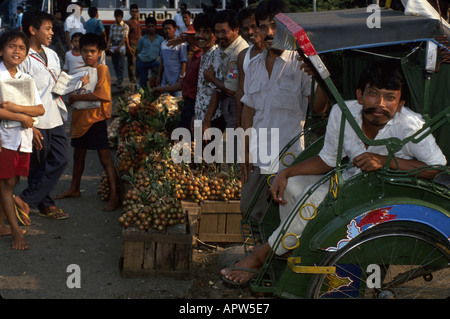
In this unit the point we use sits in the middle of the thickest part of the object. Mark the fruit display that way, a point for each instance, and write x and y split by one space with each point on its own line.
150 203
113 133
103 189
155 185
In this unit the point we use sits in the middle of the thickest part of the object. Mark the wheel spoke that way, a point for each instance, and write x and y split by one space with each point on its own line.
405 257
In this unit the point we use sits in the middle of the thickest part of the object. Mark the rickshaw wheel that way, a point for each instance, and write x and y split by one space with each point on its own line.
387 261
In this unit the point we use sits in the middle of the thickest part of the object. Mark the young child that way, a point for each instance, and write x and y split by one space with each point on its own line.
16 141
89 129
73 58
51 148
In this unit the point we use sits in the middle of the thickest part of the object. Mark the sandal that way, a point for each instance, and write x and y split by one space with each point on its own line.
242 283
22 216
53 213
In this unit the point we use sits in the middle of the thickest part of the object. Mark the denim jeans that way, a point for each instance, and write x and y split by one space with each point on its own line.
143 68
46 167
118 63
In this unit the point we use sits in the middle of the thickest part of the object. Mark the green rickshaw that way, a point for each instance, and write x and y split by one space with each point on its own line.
390 226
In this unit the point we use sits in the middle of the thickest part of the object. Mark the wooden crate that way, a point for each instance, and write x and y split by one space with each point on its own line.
154 253
192 210
215 221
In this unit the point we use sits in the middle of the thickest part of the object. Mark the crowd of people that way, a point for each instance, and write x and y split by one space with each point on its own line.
33 138
230 75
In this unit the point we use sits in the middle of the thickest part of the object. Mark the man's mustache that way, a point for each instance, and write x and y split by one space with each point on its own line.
268 38
371 110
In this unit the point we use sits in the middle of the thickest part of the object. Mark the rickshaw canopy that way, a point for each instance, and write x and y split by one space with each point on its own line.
354 29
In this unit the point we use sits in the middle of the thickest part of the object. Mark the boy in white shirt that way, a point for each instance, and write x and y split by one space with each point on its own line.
15 140
51 153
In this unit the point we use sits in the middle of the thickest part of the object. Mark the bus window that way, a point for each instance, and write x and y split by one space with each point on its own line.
106 4
154 3
197 4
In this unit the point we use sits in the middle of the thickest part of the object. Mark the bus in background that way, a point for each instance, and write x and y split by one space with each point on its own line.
160 9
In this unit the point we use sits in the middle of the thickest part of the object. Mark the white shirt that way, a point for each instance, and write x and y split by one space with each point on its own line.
404 124
17 136
72 62
178 18
55 109
280 102
73 24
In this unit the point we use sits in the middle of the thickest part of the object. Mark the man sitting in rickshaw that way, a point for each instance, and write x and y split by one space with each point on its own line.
380 112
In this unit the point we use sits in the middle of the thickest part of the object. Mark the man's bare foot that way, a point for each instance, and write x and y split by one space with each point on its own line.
253 263
69 193
112 205
22 205
19 242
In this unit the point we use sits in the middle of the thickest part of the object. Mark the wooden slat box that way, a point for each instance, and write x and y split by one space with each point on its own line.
154 253
215 221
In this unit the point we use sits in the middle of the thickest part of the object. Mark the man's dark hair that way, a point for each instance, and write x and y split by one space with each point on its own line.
245 13
118 13
92 12
187 12
384 75
34 19
151 20
227 16
134 6
202 20
169 21
8 36
19 8
269 9
91 39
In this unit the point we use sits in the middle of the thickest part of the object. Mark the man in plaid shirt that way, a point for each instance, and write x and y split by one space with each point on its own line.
118 35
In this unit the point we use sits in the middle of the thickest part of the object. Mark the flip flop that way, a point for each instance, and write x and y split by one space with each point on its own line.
22 216
242 283
57 214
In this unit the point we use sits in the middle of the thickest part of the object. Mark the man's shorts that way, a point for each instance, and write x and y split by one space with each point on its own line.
96 137
13 163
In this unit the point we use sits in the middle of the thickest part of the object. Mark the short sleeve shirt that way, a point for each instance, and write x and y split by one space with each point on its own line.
230 57
118 31
204 88
404 124
74 25
94 25
280 103
72 62
134 33
149 50
172 58
82 120
15 137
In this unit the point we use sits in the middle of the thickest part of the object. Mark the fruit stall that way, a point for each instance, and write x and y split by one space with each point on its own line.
167 206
